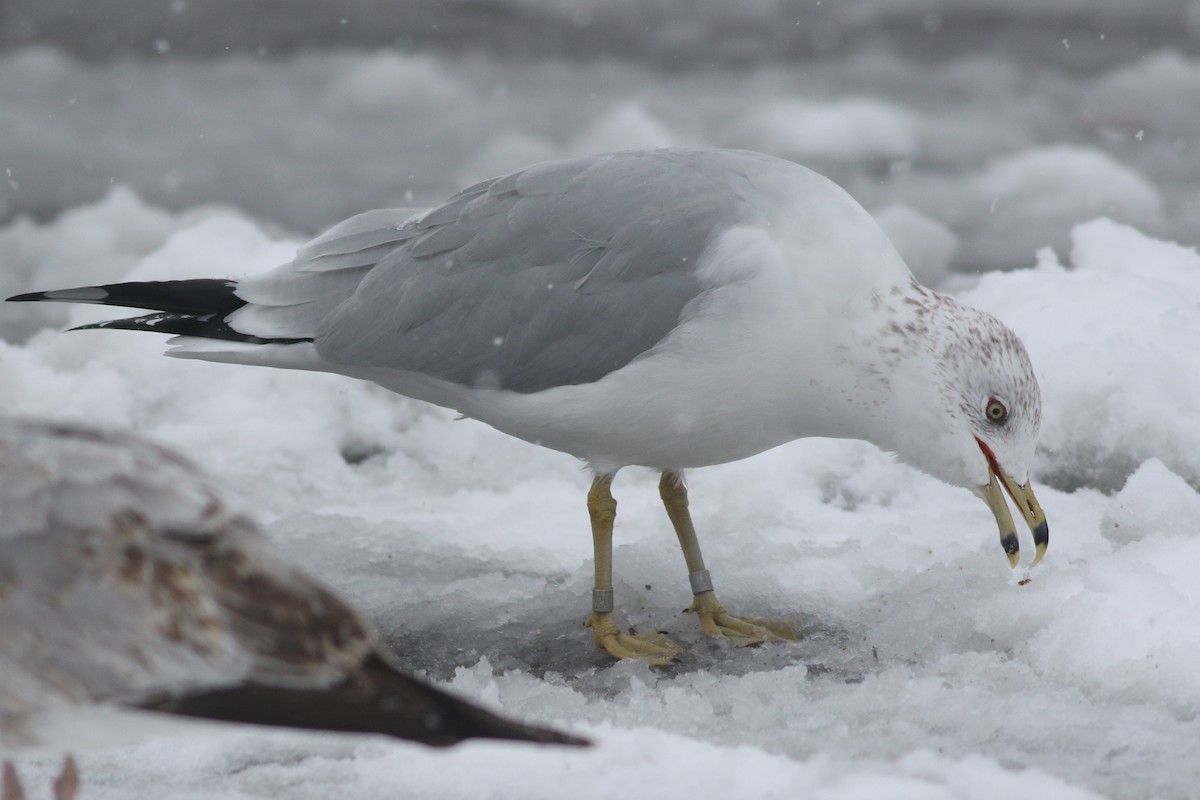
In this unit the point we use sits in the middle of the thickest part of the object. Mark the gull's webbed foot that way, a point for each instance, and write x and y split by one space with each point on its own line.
654 648
742 631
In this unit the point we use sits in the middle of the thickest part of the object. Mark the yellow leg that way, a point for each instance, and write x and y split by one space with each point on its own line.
652 647
714 619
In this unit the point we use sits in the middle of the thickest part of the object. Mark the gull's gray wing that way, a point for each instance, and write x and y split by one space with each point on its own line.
124 569
291 300
558 274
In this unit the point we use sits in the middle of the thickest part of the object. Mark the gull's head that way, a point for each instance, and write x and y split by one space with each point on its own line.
990 397
981 407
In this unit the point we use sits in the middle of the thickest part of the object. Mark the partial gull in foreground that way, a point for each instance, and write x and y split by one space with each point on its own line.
669 308
129 579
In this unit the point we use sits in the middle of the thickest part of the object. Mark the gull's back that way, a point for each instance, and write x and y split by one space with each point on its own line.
554 275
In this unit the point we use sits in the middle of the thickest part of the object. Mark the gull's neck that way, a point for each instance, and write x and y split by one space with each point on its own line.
882 380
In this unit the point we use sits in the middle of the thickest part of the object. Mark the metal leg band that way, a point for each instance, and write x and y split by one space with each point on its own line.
602 601
701 581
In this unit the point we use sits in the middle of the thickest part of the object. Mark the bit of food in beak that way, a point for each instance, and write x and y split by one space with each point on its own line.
1026 503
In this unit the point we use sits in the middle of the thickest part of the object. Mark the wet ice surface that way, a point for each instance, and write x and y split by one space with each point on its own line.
925 670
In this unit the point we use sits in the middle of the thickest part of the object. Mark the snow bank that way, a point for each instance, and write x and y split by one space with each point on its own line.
1004 147
926 245
1112 339
1032 198
848 129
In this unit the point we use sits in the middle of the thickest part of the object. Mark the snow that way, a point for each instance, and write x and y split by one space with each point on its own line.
1122 312
1031 199
847 129
926 244
1005 140
927 668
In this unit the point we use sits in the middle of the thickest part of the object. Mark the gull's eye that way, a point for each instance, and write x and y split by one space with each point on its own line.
996 411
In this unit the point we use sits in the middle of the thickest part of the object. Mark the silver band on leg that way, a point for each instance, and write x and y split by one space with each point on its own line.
701 581
602 601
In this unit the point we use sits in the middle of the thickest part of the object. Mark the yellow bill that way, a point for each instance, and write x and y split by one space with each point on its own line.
1026 503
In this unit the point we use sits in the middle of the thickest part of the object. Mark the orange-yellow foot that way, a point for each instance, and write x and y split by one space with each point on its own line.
742 631
655 648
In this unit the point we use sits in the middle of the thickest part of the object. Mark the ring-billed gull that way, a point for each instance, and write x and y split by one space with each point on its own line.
130 579
670 308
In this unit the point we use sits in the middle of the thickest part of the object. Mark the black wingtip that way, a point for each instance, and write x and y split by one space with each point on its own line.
196 307
81 294
206 326
194 296
28 297
157 323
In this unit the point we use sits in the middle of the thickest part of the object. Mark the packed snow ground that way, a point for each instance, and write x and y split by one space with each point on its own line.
926 668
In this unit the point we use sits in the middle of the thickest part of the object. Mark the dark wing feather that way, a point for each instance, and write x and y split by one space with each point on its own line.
374 699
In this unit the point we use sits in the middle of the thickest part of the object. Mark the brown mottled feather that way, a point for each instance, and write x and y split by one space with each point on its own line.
129 576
